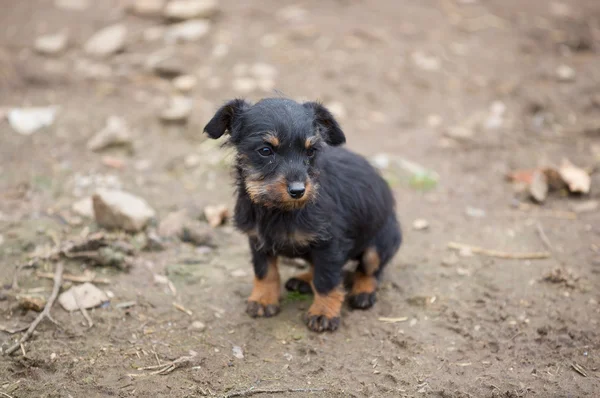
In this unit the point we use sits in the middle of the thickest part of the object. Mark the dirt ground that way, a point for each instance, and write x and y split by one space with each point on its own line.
469 89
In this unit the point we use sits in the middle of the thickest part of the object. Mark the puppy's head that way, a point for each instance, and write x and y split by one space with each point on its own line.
278 142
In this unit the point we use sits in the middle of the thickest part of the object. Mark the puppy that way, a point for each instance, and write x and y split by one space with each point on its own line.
302 195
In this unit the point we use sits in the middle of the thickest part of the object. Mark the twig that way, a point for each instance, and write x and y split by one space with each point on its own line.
182 309
579 369
497 253
543 236
5 395
83 310
393 320
45 313
74 278
253 391
165 368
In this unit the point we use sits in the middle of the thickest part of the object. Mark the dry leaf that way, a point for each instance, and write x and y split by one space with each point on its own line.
577 179
216 215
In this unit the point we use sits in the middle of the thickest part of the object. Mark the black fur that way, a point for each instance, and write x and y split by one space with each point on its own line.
348 208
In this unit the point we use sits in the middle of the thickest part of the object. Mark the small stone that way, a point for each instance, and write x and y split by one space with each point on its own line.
73 5
33 303
565 73
197 234
82 296
238 352
459 133
51 44
168 67
154 33
425 62
244 85
185 83
172 225
420 224
121 210
154 242
585 207
475 212
382 161
450 261
239 273
177 111
148 8
115 133
84 208
27 121
192 160
189 9
216 215
337 109
107 41
93 70
187 31
538 188
1 240
434 120
197 325
263 71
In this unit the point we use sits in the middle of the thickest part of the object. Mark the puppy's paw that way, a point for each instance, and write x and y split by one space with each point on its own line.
321 323
324 313
298 285
256 309
362 301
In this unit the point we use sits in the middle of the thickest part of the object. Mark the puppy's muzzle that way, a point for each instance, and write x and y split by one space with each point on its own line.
296 189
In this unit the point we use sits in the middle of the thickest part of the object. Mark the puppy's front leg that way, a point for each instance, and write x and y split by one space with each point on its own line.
324 313
264 300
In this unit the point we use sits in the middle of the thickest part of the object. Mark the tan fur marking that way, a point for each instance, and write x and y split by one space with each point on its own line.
310 141
371 260
267 291
328 305
272 139
305 276
363 284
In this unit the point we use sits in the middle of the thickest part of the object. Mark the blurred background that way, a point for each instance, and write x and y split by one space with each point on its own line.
447 97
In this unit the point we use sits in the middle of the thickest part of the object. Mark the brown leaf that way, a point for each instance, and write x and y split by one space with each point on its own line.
525 176
577 179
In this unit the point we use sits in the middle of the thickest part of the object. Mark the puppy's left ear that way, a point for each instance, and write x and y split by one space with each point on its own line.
331 130
225 118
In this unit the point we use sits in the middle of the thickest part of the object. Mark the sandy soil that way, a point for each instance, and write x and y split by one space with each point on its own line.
413 80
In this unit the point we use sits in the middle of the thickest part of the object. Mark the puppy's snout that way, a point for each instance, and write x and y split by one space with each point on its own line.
296 189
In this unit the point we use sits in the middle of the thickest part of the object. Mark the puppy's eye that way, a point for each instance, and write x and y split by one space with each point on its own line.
310 152
265 151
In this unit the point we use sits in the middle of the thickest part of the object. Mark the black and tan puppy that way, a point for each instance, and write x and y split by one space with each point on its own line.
301 195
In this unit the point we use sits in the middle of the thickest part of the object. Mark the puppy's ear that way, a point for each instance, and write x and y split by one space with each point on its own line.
225 117
330 129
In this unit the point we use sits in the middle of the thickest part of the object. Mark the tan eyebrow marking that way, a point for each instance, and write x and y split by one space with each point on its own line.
310 141
271 139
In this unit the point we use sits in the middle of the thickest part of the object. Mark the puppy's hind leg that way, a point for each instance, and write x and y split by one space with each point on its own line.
301 283
372 262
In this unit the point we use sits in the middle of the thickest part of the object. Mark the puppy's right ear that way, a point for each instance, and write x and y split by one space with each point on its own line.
225 118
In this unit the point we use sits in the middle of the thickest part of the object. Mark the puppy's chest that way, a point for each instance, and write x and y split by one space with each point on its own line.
284 239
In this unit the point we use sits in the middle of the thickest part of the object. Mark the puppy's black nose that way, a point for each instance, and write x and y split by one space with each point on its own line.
296 190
